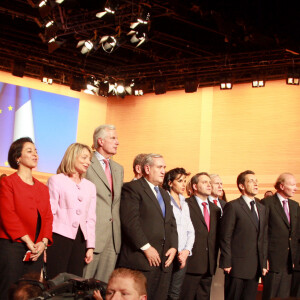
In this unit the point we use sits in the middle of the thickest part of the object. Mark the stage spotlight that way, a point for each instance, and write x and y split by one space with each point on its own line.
108 43
190 85
110 8
92 85
59 1
120 87
139 33
47 75
138 89
226 83
18 68
292 78
42 3
87 46
258 83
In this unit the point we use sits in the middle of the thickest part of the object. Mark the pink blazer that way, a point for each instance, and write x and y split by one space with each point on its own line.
73 205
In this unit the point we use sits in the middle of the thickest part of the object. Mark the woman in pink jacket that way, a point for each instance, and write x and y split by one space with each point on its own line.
73 204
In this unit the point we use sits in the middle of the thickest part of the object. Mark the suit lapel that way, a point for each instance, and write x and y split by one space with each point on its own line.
280 210
95 164
151 195
247 211
115 177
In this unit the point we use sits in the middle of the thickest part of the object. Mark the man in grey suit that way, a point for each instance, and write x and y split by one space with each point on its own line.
107 175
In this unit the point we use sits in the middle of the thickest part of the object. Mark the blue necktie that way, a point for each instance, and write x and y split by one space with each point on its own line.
160 200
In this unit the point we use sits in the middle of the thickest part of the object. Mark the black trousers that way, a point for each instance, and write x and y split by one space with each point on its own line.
12 266
66 255
176 280
277 285
240 289
196 287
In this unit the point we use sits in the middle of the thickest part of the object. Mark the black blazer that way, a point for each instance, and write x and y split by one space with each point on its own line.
243 243
142 222
282 239
205 249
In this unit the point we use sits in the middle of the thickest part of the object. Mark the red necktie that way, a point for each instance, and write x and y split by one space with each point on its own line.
206 215
108 174
215 201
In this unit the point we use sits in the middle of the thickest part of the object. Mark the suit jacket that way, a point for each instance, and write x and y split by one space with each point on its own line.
107 209
282 239
143 222
206 246
73 205
19 207
243 243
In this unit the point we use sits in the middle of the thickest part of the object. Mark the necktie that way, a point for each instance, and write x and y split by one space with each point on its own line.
108 174
215 201
206 215
285 208
160 200
252 203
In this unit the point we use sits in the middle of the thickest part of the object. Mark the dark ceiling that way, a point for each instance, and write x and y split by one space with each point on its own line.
186 39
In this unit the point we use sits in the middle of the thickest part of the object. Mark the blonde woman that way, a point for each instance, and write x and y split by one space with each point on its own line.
73 204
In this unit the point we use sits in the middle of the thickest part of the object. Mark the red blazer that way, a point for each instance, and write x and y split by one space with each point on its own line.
19 207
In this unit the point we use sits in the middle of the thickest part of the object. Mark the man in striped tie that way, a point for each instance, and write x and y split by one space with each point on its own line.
205 217
283 215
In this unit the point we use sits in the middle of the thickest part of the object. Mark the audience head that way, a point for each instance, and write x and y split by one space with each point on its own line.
175 180
201 185
137 165
28 287
131 282
153 167
217 186
105 140
247 183
286 185
268 194
22 152
77 159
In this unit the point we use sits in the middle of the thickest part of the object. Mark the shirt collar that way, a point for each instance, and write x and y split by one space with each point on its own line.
281 198
247 199
99 156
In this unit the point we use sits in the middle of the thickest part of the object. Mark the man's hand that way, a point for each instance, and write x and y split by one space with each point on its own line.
227 270
152 256
264 272
171 253
182 257
97 295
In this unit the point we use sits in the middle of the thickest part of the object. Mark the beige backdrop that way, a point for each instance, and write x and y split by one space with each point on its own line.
213 130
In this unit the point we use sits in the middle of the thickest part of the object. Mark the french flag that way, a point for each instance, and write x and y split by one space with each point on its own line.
23 114
16 119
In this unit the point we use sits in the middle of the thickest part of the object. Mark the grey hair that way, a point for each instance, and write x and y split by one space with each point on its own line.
100 132
148 160
214 175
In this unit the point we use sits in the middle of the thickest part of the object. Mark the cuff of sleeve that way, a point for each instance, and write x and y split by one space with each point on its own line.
145 247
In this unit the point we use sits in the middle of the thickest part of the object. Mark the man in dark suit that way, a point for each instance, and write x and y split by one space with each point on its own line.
243 241
205 217
149 240
282 239
107 175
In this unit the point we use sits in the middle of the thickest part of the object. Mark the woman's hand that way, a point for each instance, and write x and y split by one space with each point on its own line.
39 249
97 295
89 255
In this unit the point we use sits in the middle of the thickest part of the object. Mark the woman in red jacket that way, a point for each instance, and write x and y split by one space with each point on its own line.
25 217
